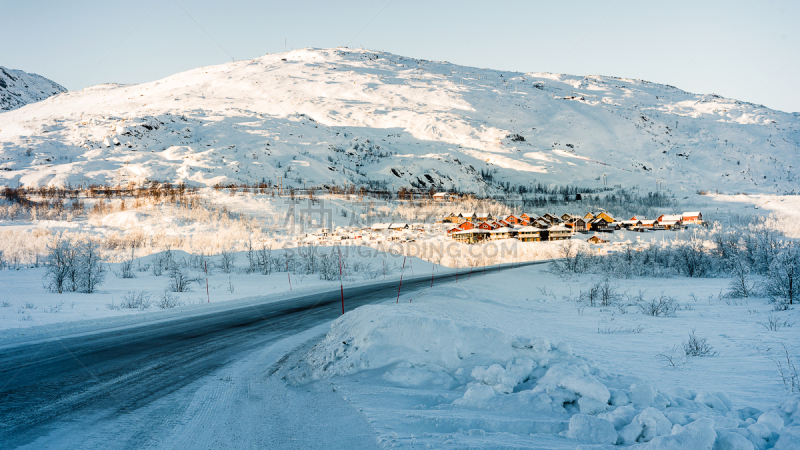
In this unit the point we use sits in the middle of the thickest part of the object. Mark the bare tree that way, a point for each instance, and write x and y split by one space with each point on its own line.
783 277
90 267
61 260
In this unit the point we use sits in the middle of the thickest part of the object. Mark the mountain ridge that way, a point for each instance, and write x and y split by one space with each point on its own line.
18 88
319 116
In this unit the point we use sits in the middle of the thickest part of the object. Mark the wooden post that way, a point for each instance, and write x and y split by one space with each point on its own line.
341 283
434 266
401 280
208 296
288 275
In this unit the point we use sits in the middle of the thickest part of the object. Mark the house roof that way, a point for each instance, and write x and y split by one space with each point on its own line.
381 226
502 230
671 217
692 214
559 227
529 230
472 231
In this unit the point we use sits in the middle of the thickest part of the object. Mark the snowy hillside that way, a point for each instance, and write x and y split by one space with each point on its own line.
18 88
335 115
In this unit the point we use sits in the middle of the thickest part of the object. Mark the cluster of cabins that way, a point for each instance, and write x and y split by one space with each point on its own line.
472 228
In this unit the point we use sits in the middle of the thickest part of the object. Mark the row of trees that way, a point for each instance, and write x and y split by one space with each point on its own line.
736 254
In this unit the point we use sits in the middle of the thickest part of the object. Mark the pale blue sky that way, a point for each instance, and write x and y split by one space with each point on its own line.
744 50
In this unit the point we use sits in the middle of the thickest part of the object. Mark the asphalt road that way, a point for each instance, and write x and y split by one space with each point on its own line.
46 384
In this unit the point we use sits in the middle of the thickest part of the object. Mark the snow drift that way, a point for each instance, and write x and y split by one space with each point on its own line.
556 392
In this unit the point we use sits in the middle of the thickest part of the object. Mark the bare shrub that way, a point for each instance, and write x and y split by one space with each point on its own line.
126 269
621 330
571 257
179 280
162 262
661 306
740 286
55 308
132 300
227 261
775 323
697 346
788 372
168 301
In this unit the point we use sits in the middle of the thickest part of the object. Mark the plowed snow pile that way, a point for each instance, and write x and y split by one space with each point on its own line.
425 377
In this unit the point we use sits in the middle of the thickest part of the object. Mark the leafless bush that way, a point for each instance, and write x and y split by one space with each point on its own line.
740 286
697 346
227 261
55 308
179 280
570 257
661 306
621 330
28 305
162 262
672 360
5 304
775 323
126 269
132 300
788 373
168 301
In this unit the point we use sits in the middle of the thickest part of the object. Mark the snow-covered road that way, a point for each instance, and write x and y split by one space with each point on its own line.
184 383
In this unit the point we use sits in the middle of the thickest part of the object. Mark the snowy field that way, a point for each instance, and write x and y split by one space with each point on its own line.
29 310
515 361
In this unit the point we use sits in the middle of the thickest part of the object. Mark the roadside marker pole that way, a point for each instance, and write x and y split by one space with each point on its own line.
288 275
341 283
470 273
434 266
401 280
205 263
384 269
456 272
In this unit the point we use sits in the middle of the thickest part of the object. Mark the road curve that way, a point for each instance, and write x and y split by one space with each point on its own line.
121 371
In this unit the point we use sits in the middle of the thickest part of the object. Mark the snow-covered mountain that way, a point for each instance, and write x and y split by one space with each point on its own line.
330 115
18 88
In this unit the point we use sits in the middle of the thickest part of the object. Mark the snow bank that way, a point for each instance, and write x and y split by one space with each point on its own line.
483 369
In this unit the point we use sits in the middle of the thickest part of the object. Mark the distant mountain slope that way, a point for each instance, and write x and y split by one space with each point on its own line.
18 88
336 115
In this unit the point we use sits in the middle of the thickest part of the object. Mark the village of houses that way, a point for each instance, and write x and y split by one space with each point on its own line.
471 228
476 227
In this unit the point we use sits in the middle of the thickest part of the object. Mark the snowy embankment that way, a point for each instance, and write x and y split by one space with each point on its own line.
510 365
